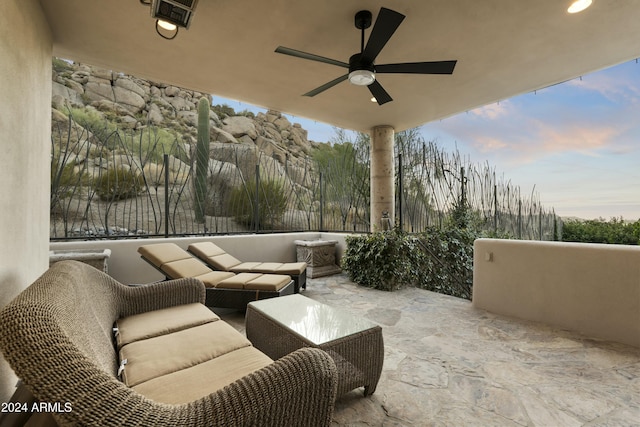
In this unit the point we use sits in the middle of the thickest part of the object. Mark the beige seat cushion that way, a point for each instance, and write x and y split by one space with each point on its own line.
295 268
268 282
200 380
169 353
160 322
162 253
189 267
212 278
238 281
248 267
223 262
205 249
267 267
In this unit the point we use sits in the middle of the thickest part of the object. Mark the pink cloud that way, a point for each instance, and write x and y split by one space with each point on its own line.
615 86
493 111
583 138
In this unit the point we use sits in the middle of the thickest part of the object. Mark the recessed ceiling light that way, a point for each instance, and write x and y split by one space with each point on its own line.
579 6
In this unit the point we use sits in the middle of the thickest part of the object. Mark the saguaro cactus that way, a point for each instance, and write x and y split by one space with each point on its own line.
202 159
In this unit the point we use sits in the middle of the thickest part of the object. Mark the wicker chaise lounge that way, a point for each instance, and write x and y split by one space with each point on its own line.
57 336
224 289
218 259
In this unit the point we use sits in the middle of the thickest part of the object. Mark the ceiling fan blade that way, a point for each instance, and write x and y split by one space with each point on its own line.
378 92
434 67
326 86
386 24
310 56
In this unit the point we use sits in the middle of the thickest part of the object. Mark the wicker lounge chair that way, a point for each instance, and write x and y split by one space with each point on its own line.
57 336
223 289
218 259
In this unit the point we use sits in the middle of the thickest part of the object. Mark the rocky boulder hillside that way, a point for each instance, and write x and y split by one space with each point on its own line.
134 103
109 124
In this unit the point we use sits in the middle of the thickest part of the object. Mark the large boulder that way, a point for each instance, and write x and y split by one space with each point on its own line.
239 126
222 136
95 91
65 97
155 116
130 85
129 99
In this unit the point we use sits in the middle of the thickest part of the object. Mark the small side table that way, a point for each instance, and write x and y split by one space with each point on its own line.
320 256
97 258
279 326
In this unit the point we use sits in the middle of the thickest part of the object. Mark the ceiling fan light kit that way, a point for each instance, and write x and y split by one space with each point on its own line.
362 77
362 67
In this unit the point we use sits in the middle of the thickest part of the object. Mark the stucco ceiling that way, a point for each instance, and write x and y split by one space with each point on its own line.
503 48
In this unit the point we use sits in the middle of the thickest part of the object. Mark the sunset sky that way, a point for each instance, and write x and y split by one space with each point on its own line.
577 142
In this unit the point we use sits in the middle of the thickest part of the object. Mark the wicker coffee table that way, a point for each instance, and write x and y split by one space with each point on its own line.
279 326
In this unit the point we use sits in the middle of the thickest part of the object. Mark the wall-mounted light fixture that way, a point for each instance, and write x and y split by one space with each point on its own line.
171 15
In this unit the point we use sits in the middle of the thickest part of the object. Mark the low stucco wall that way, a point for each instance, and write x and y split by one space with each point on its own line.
126 266
593 289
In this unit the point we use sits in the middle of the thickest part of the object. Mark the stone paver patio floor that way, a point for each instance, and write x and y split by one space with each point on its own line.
449 364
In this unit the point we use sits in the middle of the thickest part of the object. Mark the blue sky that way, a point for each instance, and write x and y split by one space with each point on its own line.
577 143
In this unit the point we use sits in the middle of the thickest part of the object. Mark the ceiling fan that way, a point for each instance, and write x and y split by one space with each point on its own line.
362 67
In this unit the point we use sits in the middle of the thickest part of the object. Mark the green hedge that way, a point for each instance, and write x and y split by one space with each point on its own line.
383 260
615 231
436 260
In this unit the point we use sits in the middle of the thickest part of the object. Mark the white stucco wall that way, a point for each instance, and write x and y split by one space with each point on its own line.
126 266
593 289
25 128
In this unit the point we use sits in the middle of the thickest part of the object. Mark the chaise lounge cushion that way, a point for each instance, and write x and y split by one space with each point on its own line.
164 354
256 281
161 253
191 267
217 258
160 322
238 281
269 282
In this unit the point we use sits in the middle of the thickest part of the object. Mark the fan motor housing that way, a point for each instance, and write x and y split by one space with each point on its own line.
356 63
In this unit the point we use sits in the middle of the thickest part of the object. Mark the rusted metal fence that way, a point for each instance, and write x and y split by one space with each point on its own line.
110 183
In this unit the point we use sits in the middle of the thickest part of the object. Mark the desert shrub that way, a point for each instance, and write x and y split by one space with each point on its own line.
106 131
152 143
384 260
60 65
118 183
272 202
223 111
64 176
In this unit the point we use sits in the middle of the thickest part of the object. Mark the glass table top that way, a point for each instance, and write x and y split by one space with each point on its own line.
317 322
